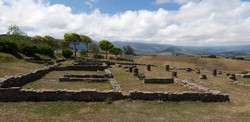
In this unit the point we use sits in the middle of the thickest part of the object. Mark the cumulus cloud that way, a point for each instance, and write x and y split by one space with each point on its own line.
209 22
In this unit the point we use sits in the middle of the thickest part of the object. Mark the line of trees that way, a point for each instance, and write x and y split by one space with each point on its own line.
17 41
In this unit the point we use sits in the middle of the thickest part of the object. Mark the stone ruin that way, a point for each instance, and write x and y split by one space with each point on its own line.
11 87
204 77
158 80
40 61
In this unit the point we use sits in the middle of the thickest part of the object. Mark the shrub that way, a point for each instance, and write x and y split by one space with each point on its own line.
244 72
8 47
111 58
211 56
26 48
108 101
121 59
45 49
238 58
98 56
83 53
67 53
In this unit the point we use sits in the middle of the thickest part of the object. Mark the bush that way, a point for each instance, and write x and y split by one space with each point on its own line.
211 56
8 47
45 49
244 72
238 58
111 58
98 56
27 48
121 59
67 53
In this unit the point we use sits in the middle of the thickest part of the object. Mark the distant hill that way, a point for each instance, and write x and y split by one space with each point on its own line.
148 48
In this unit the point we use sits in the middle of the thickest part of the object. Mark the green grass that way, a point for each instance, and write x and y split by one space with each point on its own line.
51 81
129 82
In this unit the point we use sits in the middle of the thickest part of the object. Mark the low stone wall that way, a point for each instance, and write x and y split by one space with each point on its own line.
243 75
73 79
116 86
159 80
94 61
41 61
22 79
81 67
17 94
190 85
108 73
88 63
182 96
84 76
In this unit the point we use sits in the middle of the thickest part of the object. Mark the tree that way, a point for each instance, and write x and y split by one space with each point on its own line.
50 41
86 40
94 48
106 46
14 30
72 38
128 50
116 51
37 39
45 40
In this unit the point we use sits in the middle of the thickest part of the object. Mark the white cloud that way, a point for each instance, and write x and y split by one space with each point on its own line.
175 1
209 22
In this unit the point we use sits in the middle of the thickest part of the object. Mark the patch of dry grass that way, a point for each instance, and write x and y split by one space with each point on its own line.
20 67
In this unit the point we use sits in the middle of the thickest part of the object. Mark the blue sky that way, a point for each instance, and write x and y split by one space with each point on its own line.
178 22
114 6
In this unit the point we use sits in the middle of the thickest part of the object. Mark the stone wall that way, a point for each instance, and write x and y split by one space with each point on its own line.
84 76
81 67
190 85
16 94
182 96
108 73
158 80
116 86
71 79
22 79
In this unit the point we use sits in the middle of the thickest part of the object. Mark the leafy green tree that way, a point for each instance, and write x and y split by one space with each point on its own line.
128 50
50 41
116 51
14 30
72 38
37 39
44 40
86 40
106 46
94 48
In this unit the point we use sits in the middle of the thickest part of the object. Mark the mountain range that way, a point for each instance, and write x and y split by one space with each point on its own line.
150 48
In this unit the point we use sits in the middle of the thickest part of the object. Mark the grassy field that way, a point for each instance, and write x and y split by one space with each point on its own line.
238 109
51 81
